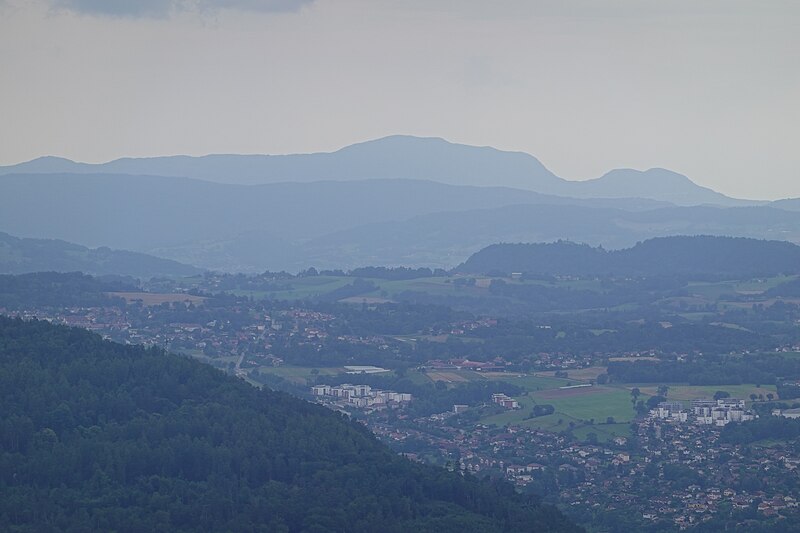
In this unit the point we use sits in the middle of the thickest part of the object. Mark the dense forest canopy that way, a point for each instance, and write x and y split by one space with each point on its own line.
48 289
100 436
699 256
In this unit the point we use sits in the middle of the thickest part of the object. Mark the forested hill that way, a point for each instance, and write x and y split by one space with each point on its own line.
700 256
55 289
19 256
97 436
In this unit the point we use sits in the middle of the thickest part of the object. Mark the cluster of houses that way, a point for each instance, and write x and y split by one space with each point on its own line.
786 413
360 395
506 401
706 412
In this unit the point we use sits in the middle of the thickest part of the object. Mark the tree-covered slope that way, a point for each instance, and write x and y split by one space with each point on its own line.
19 256
96 436
59 289
701 256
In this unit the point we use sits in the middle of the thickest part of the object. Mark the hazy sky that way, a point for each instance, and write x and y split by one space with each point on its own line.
709 88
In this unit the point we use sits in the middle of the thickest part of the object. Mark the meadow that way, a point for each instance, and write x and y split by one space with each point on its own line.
603 410
300 375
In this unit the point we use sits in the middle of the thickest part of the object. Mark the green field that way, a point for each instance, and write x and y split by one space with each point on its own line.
312 286
529 382
693 392
598 404
577 406
761 285
428 285
299 375
717 290
572 405
302 288
604 432
419 378
792 355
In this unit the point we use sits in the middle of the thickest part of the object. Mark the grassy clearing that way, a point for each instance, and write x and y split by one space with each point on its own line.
768 443
438 286
604 432
694 392
599 404
761 285
712 291
311 286
555 422
718 290
419 378
301 288
300 375
511 416
558 422
447 377
595 285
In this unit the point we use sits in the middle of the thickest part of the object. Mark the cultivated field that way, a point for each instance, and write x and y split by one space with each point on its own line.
688 392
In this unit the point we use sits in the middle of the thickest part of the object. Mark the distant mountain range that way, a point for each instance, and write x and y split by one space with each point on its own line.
394 201
400 157
698 256
341 224
19 256
445 239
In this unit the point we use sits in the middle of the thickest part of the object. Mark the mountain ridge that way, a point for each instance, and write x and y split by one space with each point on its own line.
394 157
293 226
68 207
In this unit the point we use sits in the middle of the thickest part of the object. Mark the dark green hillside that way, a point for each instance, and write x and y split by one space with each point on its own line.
699 256
562 257
96 436
56 289
705 256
